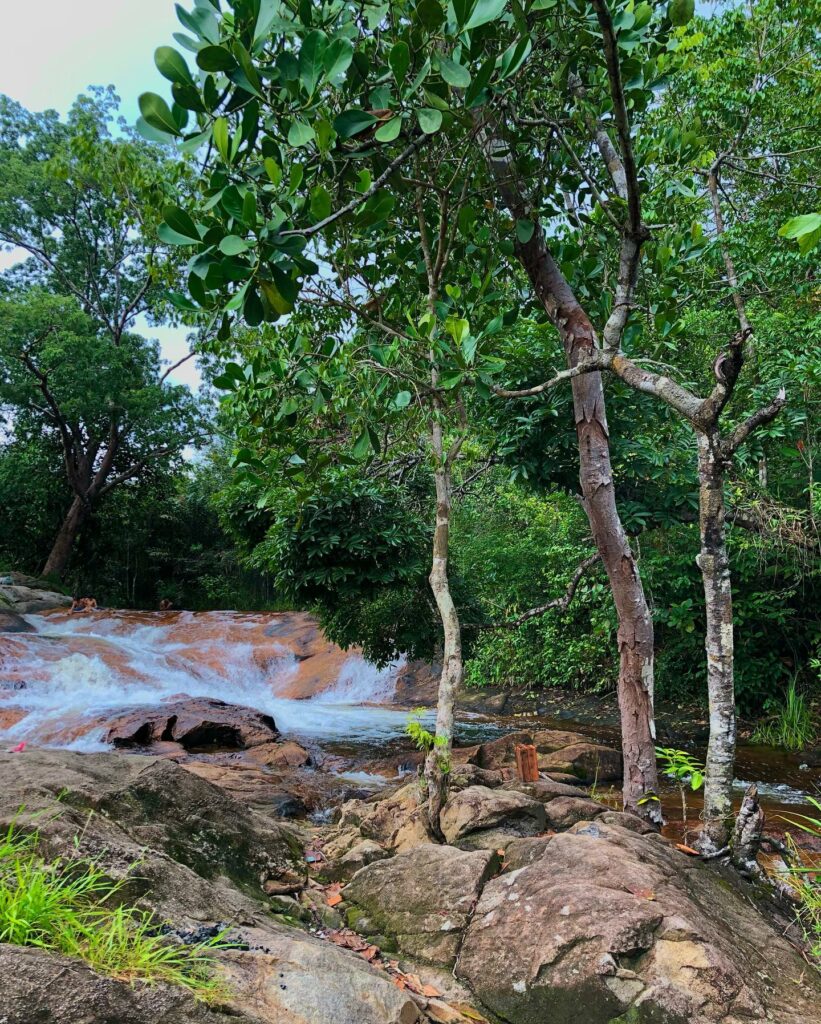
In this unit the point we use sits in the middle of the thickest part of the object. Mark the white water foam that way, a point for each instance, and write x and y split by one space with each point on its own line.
160 661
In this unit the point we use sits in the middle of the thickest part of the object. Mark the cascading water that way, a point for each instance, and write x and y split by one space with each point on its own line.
58 684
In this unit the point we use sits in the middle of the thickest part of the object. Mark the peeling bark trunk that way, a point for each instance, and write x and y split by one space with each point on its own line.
437 763
64 542
635 636
714 564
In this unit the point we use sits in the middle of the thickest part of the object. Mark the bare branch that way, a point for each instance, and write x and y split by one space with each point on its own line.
758 419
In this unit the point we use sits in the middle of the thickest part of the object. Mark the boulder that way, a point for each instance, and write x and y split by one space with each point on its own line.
423 898
44 988
547 741
590 762
544 790
478 808
521 852
12 622
358 856
182 845
27 595
195 723
464 775
287 754
500 753
398 822
565 811
302 980
610 925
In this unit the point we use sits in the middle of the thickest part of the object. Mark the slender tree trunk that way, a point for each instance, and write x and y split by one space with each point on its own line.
437 763
714 564
635 636
595 471
64 542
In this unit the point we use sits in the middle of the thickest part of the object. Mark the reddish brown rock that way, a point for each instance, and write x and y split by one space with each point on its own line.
590 762
499 753
196 723
287 754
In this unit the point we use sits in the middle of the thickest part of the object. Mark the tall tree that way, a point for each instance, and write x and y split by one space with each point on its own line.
78 203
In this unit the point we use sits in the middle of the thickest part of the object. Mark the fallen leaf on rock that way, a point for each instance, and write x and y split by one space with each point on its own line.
470 1013
443 1013
348 940
687 849
333 899
645 894
430 991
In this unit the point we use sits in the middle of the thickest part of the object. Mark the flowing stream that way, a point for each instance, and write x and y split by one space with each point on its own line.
58 684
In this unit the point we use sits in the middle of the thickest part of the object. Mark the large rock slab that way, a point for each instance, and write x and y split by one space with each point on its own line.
610 925
27 595
398 822
12 622
589 762
478 808
423 898
184 846
194 723
38 987
301 980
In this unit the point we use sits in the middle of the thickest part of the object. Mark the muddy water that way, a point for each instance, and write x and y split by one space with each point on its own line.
58 684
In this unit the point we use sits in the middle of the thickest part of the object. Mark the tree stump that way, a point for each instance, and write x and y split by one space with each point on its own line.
527 763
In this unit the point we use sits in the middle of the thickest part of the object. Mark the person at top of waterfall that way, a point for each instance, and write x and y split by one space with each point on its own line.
77 604
165 605
90 604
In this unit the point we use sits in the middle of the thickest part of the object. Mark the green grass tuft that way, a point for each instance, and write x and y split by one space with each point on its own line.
806 883
792 728
67 906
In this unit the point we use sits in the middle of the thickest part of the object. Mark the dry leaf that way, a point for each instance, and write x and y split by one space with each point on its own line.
687 849
645 894
469 1012
430 991
333 898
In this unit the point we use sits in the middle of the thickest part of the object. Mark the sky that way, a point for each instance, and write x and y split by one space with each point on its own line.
51 50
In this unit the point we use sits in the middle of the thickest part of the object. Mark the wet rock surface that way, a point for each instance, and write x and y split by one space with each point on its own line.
478 808
27 595
194 723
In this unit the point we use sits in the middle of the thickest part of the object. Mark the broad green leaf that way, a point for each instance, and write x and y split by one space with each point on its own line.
681 12
171 237
311 60
462 10
399 60
157 113
273 170
300 134
485 11
362 445
402 400
388 131
171 65
233 245
514 56
454 74
805 229
216 58
320 202
337 59
430 14
181 222
152 134
268 13
430 120
524 230
351 122
480 80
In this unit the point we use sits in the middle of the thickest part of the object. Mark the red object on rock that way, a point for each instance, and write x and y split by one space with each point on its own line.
19 748
527 762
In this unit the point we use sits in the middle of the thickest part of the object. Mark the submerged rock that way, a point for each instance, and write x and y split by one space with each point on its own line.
423 898
609 925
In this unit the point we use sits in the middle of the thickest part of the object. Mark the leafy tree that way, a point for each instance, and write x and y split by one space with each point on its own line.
79 203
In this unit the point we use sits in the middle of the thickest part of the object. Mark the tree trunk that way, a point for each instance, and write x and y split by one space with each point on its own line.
635 623
437 763
718 602
64 542
635 636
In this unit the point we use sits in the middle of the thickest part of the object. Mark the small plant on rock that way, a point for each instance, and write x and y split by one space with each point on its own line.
684 769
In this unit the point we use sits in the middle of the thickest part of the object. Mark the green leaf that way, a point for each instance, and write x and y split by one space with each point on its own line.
157 113
485 11
337 59
399 60
480 80
430 14
351 122
233 245
462 10
320 202
524 230
172 237
805 229
311 60
681 12
389 130
181 222
402 400
273 170
362 445
454 74
300 134
430 120
221 138
171 65
215 58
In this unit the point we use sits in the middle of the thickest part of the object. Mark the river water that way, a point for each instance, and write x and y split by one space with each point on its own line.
62 684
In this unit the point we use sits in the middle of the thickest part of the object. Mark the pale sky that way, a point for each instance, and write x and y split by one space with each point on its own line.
51 50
